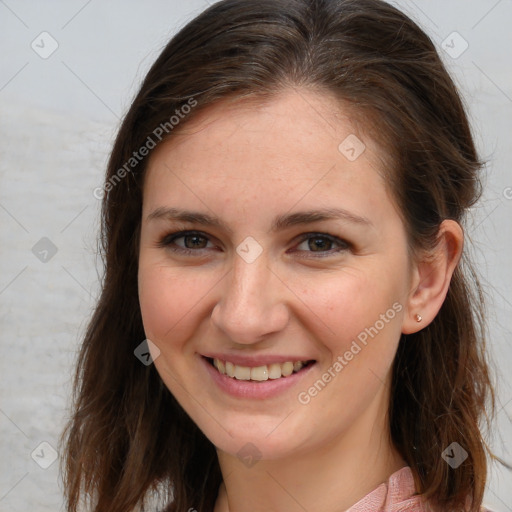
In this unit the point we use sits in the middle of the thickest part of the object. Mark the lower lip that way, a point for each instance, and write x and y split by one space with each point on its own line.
252 389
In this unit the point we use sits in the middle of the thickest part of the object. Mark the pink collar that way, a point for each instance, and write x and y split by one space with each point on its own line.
398 494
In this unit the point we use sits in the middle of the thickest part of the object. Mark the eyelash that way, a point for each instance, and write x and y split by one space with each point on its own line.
169 239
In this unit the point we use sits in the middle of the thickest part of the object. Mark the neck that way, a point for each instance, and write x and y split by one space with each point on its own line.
331 477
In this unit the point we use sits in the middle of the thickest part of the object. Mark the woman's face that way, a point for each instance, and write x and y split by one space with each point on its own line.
269 240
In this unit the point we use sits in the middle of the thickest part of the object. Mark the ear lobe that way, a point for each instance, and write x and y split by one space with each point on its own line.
432 277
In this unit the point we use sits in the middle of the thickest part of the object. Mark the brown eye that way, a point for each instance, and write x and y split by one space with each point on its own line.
319 244
194 241
322 244
186 242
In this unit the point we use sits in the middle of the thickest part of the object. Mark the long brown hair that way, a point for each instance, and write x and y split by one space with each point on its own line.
128 438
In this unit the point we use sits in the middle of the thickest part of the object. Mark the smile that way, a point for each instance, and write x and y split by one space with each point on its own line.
261 373
258 381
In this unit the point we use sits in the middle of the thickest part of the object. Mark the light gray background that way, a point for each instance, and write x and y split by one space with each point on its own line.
58 117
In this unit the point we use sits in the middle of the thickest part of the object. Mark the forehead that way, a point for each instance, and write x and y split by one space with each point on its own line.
297 146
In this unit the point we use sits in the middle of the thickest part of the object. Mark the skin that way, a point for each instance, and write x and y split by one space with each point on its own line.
247 163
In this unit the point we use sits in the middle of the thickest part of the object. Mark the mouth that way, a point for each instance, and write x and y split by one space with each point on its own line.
262 373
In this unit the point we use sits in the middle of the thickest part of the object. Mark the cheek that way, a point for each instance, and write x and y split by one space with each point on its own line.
363 312
363 315
170 300
350 302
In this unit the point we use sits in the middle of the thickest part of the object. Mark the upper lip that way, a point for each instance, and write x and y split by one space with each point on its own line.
255 360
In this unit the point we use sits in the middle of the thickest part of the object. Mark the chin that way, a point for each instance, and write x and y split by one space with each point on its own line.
258 439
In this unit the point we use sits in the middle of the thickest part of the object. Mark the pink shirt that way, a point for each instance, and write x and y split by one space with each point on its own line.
397 495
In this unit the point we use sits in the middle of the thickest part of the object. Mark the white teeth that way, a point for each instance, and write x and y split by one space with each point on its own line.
297 366
220 366
242 372
230 368
274 371
286 369
258 373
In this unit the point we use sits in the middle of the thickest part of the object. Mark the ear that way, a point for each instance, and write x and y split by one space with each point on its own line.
431 277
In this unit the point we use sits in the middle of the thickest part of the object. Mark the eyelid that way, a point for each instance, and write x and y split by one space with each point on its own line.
168 239
343 245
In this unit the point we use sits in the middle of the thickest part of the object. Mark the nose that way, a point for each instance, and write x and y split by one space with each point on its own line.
252 304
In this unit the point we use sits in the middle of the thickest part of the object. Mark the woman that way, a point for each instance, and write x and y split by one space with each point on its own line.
288 320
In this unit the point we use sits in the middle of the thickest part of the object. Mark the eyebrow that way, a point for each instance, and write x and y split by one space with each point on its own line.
280 223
